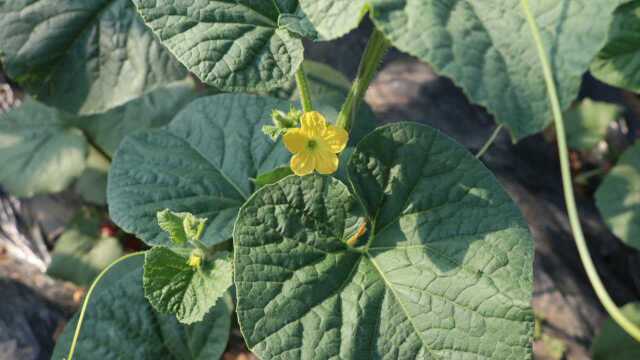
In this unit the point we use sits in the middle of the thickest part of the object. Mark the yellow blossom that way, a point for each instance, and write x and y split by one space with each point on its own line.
315 145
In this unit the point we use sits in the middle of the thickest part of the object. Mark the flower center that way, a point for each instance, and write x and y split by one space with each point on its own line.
312 144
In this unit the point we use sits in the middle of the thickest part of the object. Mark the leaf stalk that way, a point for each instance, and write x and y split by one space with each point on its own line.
377 47
303 90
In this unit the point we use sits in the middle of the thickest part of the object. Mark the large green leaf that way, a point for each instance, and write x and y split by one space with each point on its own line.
40 150
618 198
618 64
172 286
82 251
155 109
614 343
486 47
121 324
202 163
587 123
83 56
444 270
232 45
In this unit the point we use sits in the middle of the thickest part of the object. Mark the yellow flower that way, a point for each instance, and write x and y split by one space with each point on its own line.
315 145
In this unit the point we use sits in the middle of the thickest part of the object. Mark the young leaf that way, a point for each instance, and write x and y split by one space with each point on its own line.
617 64
120 323
486 46
445 271
172 286
82 56
201 163
613 343
154 109
273 176
618 198
82 251
173 224
40 151
230 45
588 122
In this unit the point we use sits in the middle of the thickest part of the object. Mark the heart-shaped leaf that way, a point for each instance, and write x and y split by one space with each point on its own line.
172 286
230 45
121 324
202 163
617 64
486 47
82 56
618 197
40 150
443 270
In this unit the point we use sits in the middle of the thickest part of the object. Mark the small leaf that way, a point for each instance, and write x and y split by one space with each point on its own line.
82 251
446 255
232 46
82 56
273 176
173 286
617 64
173 224
618 197
40 151
588 122
613 343
298 24
121 324
200 163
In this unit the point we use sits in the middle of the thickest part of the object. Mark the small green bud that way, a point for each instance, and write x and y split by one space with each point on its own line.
194 226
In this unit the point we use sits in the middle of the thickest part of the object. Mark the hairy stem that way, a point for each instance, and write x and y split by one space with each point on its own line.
377 47
87 297
303 90
572 210
489 142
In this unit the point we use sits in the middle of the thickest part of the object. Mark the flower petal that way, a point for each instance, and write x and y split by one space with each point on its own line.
295 140
326 162
313 123
303 163
336 138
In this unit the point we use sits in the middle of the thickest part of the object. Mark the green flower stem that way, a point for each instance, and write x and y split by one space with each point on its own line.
489 142
377 47
87 297
303 89
572 210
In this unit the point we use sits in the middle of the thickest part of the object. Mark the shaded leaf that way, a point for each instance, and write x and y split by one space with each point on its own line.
155 109
82 251
618 197
120 323
92 183
613 343
588 122
82 56
40 151
618 64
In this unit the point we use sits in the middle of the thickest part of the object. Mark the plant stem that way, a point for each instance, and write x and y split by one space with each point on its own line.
85 303
377 47
489 142
572 210
303 90
97 147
